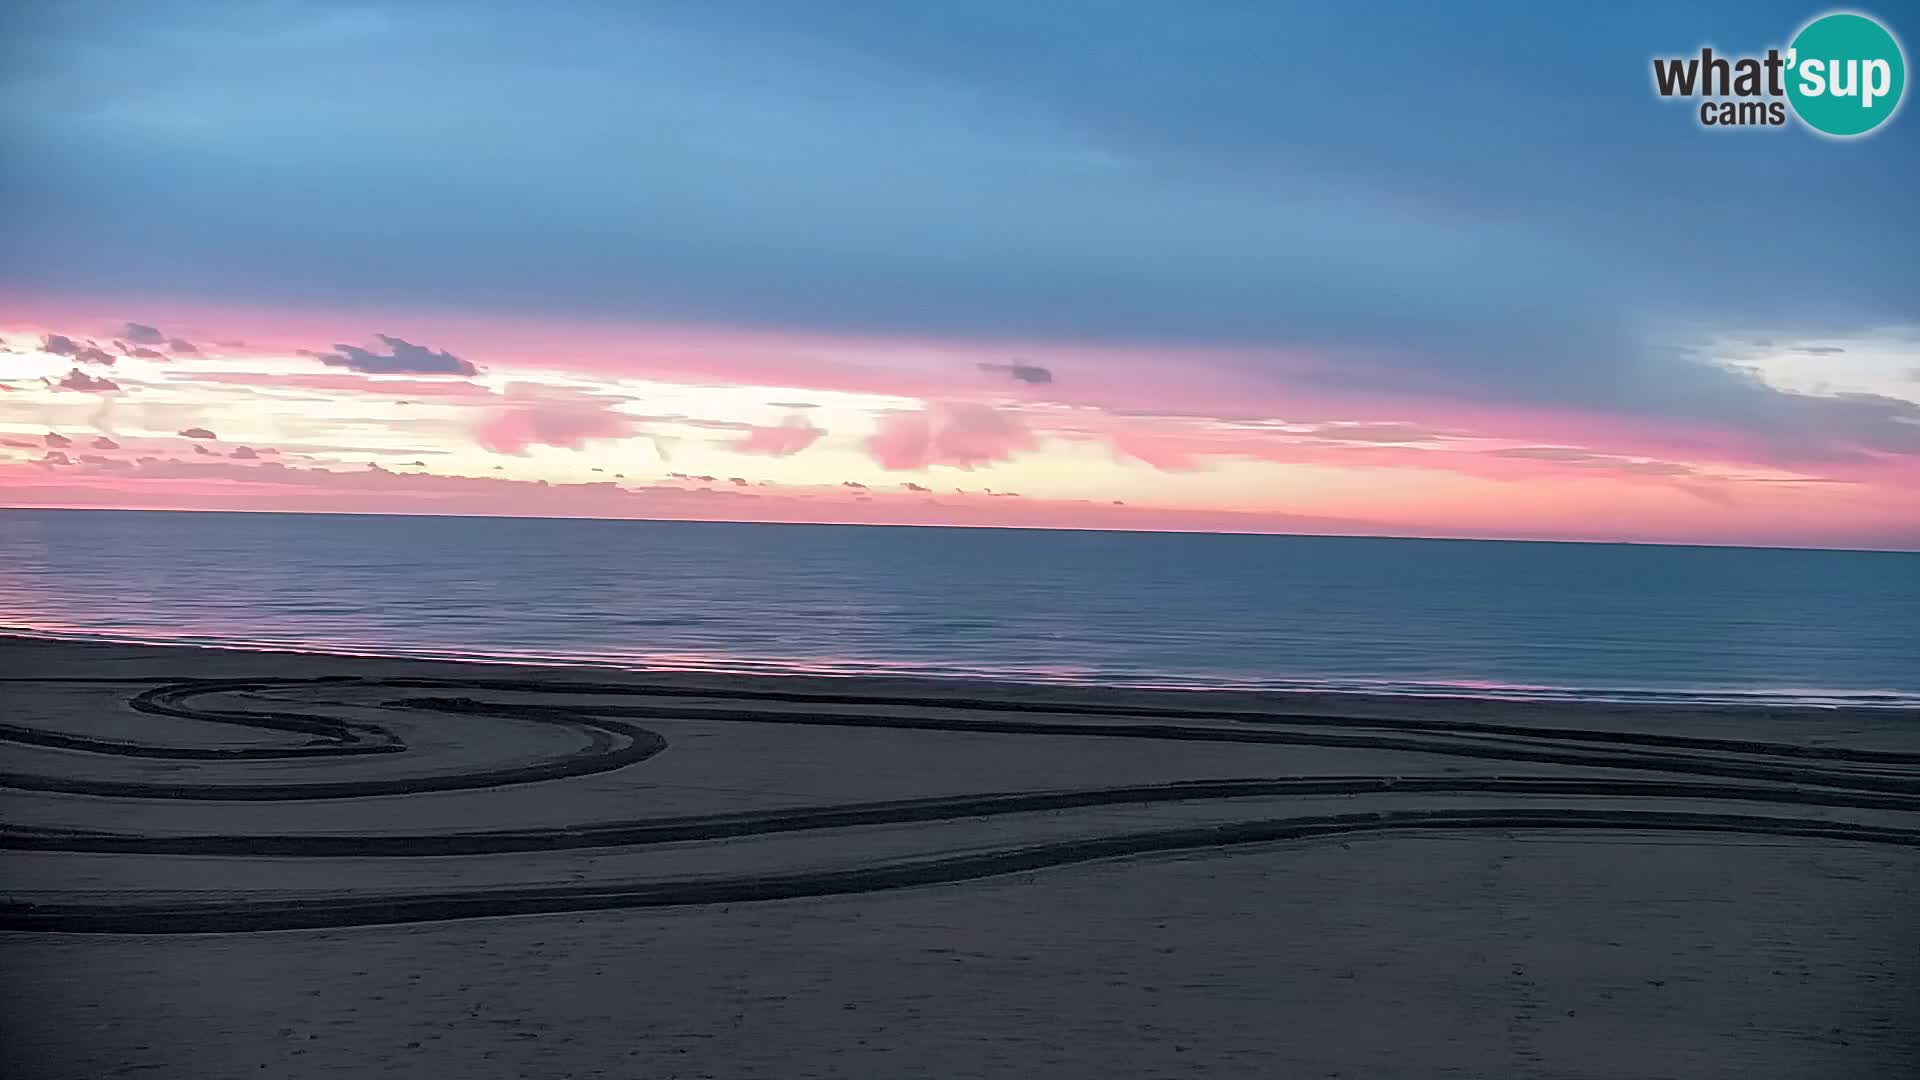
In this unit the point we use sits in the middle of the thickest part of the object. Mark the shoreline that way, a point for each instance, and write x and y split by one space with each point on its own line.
943 682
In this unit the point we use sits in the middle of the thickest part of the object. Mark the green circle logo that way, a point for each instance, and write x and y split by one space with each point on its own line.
1845 74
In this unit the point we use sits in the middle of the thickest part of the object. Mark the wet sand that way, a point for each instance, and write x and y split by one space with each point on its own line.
241 864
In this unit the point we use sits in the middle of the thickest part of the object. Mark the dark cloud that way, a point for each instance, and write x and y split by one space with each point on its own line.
793 404
56 440
145 353
246 453
55 457
179 345
142 334
80 380
198 433
911 486
1032 374
104 443
62 345
1819 350
403 357
203 451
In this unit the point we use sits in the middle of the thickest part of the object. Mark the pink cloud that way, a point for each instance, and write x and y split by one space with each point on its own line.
1784 513
545 416
1191 381
57 440
157 483
198 433
1168 454
1182 445
1175 408
960 434
788 437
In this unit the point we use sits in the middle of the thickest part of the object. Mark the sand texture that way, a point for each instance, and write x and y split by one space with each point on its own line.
233 864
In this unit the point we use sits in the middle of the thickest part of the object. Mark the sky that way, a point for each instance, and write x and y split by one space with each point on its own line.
1404 269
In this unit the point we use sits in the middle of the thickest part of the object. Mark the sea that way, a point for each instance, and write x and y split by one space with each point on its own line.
1448 617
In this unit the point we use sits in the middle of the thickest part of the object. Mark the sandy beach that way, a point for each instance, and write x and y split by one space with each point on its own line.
225 863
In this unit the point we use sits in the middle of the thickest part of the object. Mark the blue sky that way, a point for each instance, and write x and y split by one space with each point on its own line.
1403 174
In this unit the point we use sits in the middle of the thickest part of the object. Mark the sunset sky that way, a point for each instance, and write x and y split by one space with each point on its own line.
1101 264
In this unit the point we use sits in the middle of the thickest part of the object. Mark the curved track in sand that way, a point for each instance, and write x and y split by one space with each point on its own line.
1624 781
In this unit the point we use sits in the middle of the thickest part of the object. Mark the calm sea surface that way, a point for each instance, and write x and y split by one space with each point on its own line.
1135 609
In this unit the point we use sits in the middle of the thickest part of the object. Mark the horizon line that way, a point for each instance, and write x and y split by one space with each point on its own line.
1003 528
